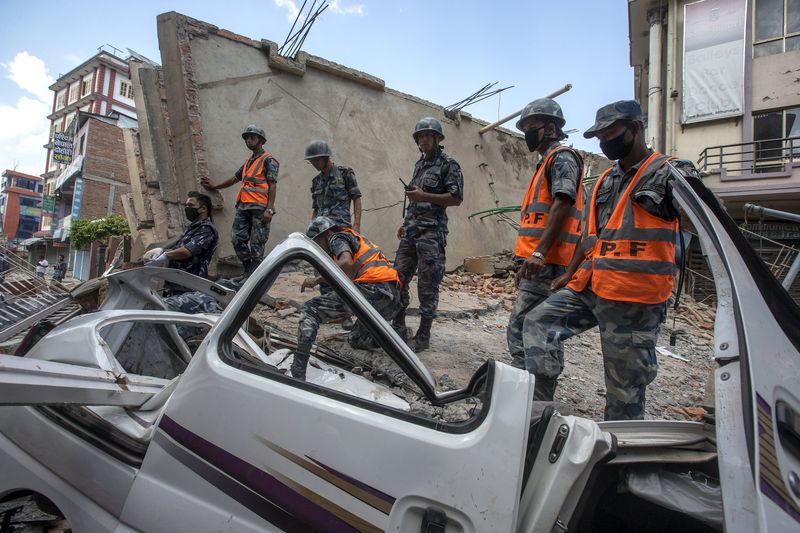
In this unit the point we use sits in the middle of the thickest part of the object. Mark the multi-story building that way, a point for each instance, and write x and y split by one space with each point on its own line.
20 204
86 170
93 184
719 81
100 85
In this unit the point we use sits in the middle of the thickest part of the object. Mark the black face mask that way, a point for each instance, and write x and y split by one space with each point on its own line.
533 139
617 148
191 213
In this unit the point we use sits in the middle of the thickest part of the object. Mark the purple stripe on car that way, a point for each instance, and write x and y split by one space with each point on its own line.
769 491
255 479
363 486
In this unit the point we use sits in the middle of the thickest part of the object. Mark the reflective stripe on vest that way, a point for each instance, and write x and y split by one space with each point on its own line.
633 257
255 188
535 211
369 263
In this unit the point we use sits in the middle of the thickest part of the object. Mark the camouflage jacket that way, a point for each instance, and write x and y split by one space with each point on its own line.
654 194
331 195
201 239
440 174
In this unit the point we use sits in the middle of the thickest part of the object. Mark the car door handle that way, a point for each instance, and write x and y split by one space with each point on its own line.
433 521
788 423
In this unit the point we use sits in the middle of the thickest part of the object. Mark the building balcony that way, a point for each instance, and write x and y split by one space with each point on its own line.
770 158
765 172
74 106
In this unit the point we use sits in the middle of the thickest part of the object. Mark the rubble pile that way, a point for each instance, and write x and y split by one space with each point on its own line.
488 277
475 305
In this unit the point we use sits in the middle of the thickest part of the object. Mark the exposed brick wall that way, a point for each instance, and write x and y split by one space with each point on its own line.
94 203
105 152
105 158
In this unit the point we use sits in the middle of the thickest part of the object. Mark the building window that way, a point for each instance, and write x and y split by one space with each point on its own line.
24 201
777 27
73 93
62 100
86 86
25 183
777 138
56 128
126 89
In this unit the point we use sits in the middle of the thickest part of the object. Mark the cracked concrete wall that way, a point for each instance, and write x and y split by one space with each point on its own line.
214 83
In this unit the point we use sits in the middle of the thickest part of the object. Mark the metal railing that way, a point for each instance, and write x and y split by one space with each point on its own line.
769 155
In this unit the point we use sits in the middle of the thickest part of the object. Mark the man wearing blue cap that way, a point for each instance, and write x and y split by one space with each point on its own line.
621 275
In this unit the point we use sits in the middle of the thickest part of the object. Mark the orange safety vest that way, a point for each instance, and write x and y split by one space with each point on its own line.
535 211
255 188
633 258
371 266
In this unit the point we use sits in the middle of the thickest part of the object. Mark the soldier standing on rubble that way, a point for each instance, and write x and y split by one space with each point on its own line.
333 188
365 264
621 275
550 215
255 202
437 184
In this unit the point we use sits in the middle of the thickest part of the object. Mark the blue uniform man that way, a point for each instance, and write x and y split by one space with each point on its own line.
192 253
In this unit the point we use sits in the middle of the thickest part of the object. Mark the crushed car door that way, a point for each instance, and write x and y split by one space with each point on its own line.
757 344
249 448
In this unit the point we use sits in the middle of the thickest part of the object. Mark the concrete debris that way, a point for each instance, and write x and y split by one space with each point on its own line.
691 413
283 313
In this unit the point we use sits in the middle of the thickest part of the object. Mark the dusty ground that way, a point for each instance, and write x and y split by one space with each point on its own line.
475 311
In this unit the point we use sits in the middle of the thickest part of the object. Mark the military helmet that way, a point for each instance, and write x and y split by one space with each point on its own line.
318 226
252 128
428 124
542 107
317 149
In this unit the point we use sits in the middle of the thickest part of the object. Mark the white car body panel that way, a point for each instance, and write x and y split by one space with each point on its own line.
234 444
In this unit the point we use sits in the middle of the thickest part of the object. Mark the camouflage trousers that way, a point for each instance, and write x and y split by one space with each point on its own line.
531 292
421 251
192 302
250 234
627 338
384 297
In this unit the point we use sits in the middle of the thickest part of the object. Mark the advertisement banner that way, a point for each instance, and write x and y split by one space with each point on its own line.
713 60
62 148
30 211
48 203
77 196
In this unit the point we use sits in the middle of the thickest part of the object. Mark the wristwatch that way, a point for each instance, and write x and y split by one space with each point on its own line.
270 211
538 255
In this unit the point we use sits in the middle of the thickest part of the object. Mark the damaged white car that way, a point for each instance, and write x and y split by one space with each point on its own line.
134 418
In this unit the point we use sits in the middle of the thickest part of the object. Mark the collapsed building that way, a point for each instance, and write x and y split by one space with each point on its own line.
213 83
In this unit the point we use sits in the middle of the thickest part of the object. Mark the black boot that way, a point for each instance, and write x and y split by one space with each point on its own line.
422 339
250 267
399 325
299 365
544 389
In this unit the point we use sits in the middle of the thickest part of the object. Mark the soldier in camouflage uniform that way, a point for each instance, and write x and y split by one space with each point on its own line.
255 203
333 188
549 222
369 269
437 184
622 272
